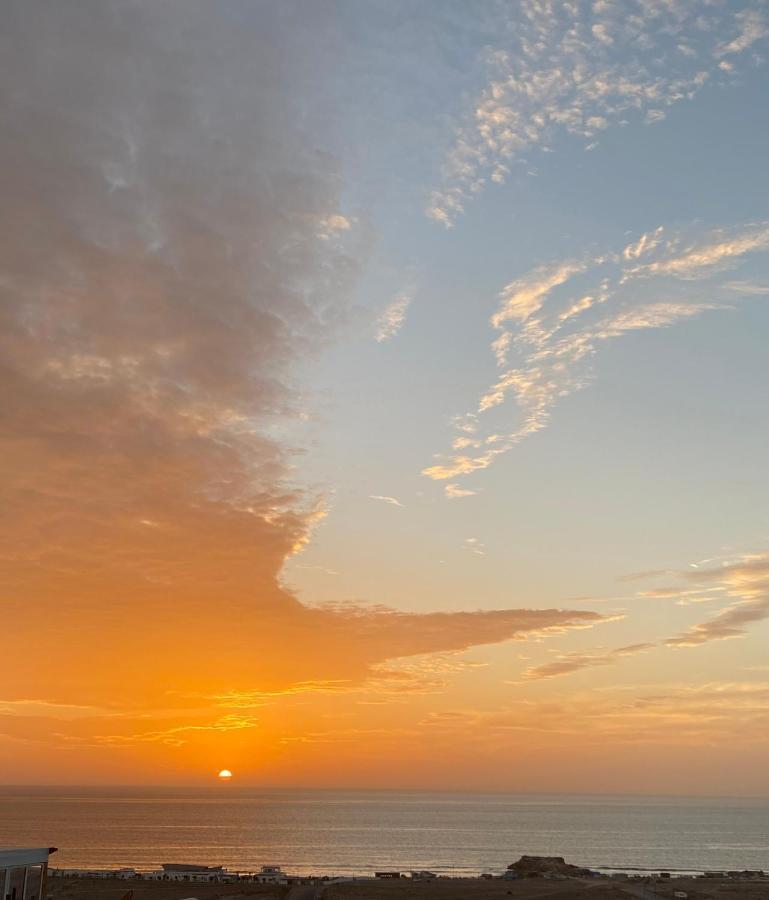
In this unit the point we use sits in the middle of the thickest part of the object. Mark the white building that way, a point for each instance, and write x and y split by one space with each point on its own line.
191 873
93 873
23 873
270 875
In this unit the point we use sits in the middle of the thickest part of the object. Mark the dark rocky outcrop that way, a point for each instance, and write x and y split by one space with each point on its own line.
538 866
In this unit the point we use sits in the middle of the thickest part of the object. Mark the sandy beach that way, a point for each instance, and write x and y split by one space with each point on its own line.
541 889
101 889
405 889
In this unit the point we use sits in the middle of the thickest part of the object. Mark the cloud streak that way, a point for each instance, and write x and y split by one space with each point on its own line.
391 500
568 663
557 318
691 715
392 318
746 581
455 492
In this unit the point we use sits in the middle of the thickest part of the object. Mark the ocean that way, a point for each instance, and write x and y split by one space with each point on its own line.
359 832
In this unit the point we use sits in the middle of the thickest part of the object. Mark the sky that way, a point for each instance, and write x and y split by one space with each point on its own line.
383 392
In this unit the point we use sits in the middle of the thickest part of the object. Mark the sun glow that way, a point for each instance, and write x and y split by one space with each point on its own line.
225 775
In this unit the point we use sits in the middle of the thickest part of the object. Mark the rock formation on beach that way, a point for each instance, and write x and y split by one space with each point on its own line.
533 866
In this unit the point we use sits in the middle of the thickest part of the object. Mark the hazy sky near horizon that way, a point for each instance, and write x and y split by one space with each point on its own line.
383 391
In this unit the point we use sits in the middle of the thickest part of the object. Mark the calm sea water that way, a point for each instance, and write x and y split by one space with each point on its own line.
358 832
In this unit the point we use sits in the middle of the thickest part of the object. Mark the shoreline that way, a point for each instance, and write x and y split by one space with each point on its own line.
529 878
405 873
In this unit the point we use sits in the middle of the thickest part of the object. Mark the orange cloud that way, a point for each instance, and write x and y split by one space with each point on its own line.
747 581
169 256
573 662
687 714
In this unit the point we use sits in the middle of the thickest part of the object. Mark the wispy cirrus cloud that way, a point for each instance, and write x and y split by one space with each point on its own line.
255 699
742 582
393 501
474 545
524 297
178 735
52 710
580 68
558 317
700 259
393 316
668 713
748 287
427 674
456 492
752 26
567 663
746 582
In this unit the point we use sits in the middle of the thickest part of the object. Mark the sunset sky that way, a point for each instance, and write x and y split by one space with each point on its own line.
383 393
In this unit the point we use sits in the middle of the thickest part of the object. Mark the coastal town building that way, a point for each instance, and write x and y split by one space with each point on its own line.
23 873
270 875
193 873
189 872
199 874
125 874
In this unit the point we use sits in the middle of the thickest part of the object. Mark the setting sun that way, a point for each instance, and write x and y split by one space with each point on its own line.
225 774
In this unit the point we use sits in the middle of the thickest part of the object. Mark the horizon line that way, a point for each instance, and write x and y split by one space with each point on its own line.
229 785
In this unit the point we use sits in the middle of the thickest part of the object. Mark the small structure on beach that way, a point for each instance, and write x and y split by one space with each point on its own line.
387 874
